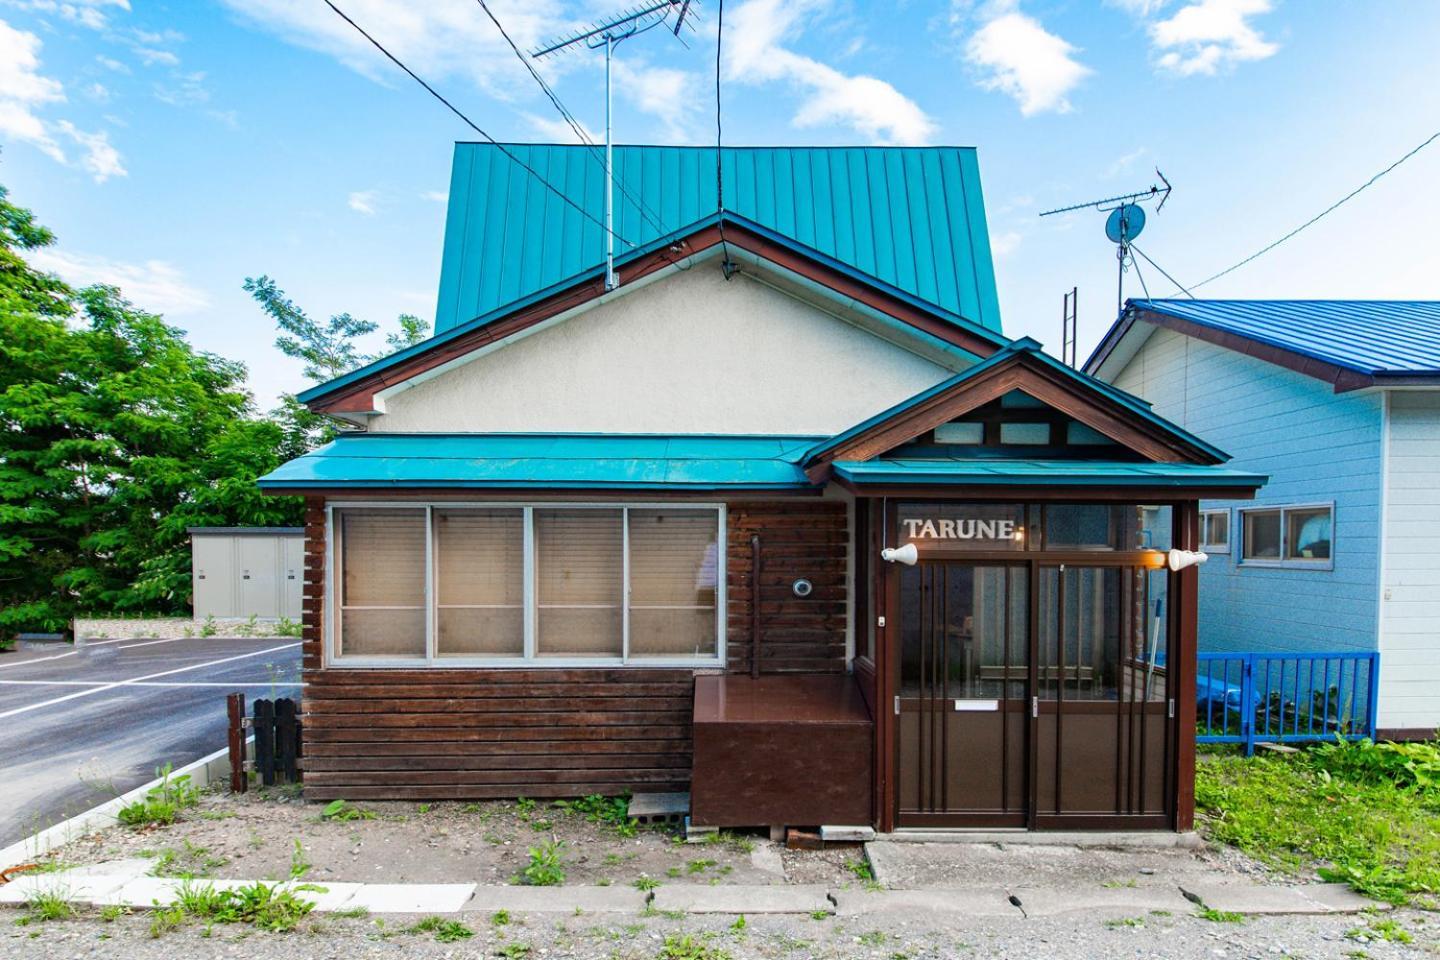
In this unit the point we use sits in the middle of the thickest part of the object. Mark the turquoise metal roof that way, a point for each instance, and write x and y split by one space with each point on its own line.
908 217
1028 346
1396 337
541 461
1043 473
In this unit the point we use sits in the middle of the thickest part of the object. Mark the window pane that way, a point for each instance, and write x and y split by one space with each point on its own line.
960 433
1216 529
1030 434
382 582
480 582
1307 534
1262 535
1098 526
578 574
673 570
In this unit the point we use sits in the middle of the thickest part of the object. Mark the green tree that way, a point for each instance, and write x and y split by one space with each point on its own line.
115 435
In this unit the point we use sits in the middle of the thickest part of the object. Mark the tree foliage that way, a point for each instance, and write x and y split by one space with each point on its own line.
115 436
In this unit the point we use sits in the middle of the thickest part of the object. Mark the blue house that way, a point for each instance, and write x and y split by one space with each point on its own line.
1338 402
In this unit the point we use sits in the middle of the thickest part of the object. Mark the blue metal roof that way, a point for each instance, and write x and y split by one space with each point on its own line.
909 217
1027 346
1042 473
1394 337
541 461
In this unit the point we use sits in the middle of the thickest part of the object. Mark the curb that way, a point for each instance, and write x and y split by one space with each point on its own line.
202 773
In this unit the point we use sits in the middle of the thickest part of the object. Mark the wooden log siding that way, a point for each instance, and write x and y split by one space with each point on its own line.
798 539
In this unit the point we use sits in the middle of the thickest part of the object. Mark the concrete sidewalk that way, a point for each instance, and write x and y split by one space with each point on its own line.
126 883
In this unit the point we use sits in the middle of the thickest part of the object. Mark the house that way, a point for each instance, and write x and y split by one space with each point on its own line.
1338 402
783 520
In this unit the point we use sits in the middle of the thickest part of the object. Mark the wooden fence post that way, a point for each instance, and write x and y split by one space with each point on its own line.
235 710
285 739
265 741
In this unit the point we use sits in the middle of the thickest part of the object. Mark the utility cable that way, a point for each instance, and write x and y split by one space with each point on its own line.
472 125
580 133
726 266
1167 276
1323 213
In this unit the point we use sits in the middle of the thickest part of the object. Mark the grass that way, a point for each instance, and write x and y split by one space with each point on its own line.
163 803
1125 922
613 812
47 907
1219 916
258 904
444 931
644 883
1381 928
1364 814
689 947
344 811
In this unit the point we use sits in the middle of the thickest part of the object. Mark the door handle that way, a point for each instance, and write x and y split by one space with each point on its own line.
1035 707
897 706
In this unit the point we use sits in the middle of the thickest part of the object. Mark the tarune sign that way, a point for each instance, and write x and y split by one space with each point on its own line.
959 528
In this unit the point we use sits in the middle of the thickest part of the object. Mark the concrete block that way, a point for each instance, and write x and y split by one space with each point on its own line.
842 834
159 891
699 898
327 897
1341 899
565 900
1258 900
659 807
1106 902
767 858
412 897
970 902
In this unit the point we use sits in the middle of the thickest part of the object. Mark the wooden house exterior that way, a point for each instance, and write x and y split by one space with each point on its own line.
784 521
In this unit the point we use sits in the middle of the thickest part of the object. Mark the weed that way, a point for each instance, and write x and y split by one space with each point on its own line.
47 906
819 914
500 918
1161 913
643 883
613 812
423 808
688 947
299 863
544 868
673 872
114 912
739 923
524 806
603 882
514 951
288 628
612 860
873 938
541 826
1113 884
1219 916
163 920
1381 929
208 628
861 869
445 931
352 913
1124 922
259 904
345 811
163 803
698 866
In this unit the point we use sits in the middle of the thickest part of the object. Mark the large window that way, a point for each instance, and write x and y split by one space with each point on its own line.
518 585
1296 536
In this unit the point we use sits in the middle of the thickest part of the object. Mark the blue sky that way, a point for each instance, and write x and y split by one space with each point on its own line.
178 148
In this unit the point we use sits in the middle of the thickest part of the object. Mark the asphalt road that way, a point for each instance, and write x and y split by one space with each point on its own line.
80 725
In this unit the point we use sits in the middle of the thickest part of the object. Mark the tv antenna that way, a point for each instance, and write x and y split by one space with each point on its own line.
607 34
1126 220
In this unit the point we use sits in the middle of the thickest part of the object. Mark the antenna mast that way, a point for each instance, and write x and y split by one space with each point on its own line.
1124 224
607 34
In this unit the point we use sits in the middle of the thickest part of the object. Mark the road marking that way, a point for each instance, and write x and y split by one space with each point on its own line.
26 663
151 676
151 643
144 683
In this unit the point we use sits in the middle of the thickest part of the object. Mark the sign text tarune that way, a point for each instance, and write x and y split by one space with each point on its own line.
947 529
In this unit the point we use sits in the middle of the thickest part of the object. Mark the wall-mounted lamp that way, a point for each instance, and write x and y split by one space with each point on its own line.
906 554
1175 560
802 587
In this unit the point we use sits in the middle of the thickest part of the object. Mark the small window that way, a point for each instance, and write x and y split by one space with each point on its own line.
960 433
382 582
1292 536
1025 434
1215 531
1079 435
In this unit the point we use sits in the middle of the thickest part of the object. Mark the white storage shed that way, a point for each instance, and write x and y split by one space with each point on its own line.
240 572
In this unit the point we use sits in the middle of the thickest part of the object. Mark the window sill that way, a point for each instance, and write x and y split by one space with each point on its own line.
515 663
1325 565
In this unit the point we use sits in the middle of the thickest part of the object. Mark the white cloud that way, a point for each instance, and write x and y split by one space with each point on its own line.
362 201
755 54
436 196
23 88
185 90
554 128
1123 163
98 92
1004 244
668 94
150 56
155 285
110 63
1138 8
87 13
1025 61
100 158
1204 36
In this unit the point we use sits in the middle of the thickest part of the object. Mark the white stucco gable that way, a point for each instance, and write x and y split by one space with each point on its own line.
689 352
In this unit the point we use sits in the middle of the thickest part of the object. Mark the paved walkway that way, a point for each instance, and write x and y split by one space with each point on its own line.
127 883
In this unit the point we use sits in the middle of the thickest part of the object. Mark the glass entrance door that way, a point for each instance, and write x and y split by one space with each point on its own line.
1102 705
963 704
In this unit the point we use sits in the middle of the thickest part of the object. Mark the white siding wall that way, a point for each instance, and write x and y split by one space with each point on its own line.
691 353
1316 446
1410 617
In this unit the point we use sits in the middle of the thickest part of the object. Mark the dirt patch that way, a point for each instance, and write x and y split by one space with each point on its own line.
273 834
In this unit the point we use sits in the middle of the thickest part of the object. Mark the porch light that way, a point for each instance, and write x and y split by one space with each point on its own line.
906 554
1176 560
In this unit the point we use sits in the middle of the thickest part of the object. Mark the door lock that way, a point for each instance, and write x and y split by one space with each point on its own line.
1171 710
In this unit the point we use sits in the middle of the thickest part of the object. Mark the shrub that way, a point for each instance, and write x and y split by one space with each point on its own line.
544 868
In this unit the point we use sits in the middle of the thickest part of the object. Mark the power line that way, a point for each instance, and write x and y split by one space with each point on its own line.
1264 250
574 124
471 124
1167 276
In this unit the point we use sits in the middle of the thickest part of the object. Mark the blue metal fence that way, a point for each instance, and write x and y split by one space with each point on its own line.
1255 698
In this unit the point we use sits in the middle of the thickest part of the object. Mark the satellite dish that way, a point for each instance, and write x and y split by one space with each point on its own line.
1125 223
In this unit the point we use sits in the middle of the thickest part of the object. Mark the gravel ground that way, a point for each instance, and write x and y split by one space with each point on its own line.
252 836
892 937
